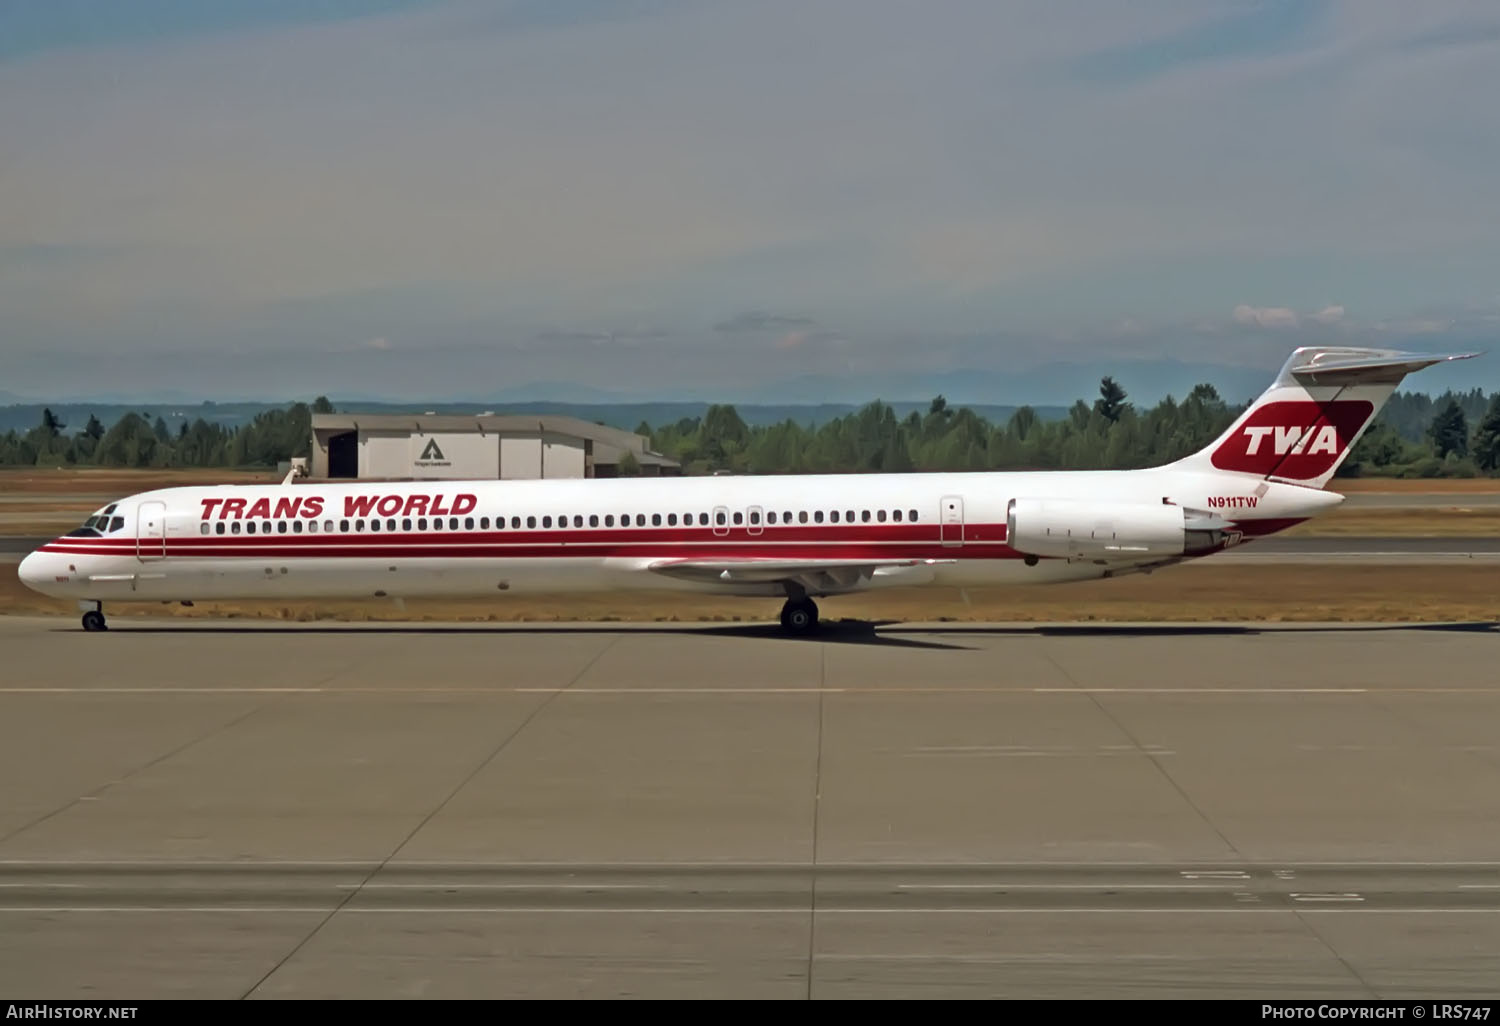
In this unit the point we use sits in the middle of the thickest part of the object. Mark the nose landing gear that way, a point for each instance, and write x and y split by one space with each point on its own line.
93 620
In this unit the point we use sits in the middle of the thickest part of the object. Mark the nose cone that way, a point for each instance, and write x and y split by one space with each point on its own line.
38 572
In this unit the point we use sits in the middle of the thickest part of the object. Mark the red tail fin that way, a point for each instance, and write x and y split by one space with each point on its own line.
1303 427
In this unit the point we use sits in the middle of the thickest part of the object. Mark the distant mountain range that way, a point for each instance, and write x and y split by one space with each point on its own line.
1054 384
1050 389
627 416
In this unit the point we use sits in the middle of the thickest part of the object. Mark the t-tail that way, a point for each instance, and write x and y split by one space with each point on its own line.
1302 428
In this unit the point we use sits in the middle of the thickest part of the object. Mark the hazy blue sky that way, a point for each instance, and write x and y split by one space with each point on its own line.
265 197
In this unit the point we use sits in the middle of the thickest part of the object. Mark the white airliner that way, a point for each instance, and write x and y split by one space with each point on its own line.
792 536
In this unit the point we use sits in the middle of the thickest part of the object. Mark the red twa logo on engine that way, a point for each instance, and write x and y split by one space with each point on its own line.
1297 439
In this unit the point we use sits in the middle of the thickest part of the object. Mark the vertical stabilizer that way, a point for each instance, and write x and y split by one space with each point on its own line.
1303 427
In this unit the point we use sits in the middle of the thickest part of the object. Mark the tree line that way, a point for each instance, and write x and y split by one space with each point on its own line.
1452 435
136 440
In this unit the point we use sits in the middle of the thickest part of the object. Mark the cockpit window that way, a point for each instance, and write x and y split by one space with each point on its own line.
98 524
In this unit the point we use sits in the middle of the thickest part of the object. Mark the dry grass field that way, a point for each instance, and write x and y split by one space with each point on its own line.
1277 593
1447 522
1415 485
115 482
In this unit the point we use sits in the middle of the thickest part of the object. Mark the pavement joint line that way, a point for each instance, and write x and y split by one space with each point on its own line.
788 910
893 690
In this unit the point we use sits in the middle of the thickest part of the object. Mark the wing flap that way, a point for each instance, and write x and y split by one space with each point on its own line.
809 573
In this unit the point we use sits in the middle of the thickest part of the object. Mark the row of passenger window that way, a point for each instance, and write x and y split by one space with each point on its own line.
721 518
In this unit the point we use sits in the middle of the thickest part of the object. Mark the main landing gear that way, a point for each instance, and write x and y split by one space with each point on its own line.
799 616
93 620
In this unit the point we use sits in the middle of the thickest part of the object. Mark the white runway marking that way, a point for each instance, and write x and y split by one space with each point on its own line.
497 887
1224 691
1063 887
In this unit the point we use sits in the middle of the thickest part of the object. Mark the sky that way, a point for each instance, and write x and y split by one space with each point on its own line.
668 199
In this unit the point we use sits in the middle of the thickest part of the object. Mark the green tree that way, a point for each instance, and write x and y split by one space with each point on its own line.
1450 431
1111 402
1487 437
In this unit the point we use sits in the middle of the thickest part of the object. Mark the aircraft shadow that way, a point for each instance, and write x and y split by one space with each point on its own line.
1184 630
840 632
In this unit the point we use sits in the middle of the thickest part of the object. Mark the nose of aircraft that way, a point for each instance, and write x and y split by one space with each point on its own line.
35 570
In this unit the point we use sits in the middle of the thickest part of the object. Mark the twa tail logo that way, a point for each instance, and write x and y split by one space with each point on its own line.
1298 439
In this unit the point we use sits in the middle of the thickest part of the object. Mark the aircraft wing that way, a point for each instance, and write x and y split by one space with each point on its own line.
811 574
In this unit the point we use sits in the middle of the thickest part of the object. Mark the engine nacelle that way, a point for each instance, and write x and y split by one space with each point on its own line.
1078 529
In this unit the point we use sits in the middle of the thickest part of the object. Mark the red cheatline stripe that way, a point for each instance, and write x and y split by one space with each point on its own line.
572 536
685 550
856 541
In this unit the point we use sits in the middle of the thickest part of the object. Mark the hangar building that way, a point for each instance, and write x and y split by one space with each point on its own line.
404 446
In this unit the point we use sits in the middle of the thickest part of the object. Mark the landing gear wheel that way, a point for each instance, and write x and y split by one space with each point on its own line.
93 620
799 616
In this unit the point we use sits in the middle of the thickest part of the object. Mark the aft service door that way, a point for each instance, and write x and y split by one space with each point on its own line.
151 531
951 520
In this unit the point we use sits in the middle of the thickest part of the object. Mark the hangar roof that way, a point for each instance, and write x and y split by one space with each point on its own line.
523 422
610 442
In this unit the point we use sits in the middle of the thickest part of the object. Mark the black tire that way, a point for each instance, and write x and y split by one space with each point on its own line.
800 617
93 620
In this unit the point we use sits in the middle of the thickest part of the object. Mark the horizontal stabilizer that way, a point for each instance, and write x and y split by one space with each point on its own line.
1363 366
1303 427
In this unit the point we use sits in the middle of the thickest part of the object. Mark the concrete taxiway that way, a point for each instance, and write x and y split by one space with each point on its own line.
263 810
